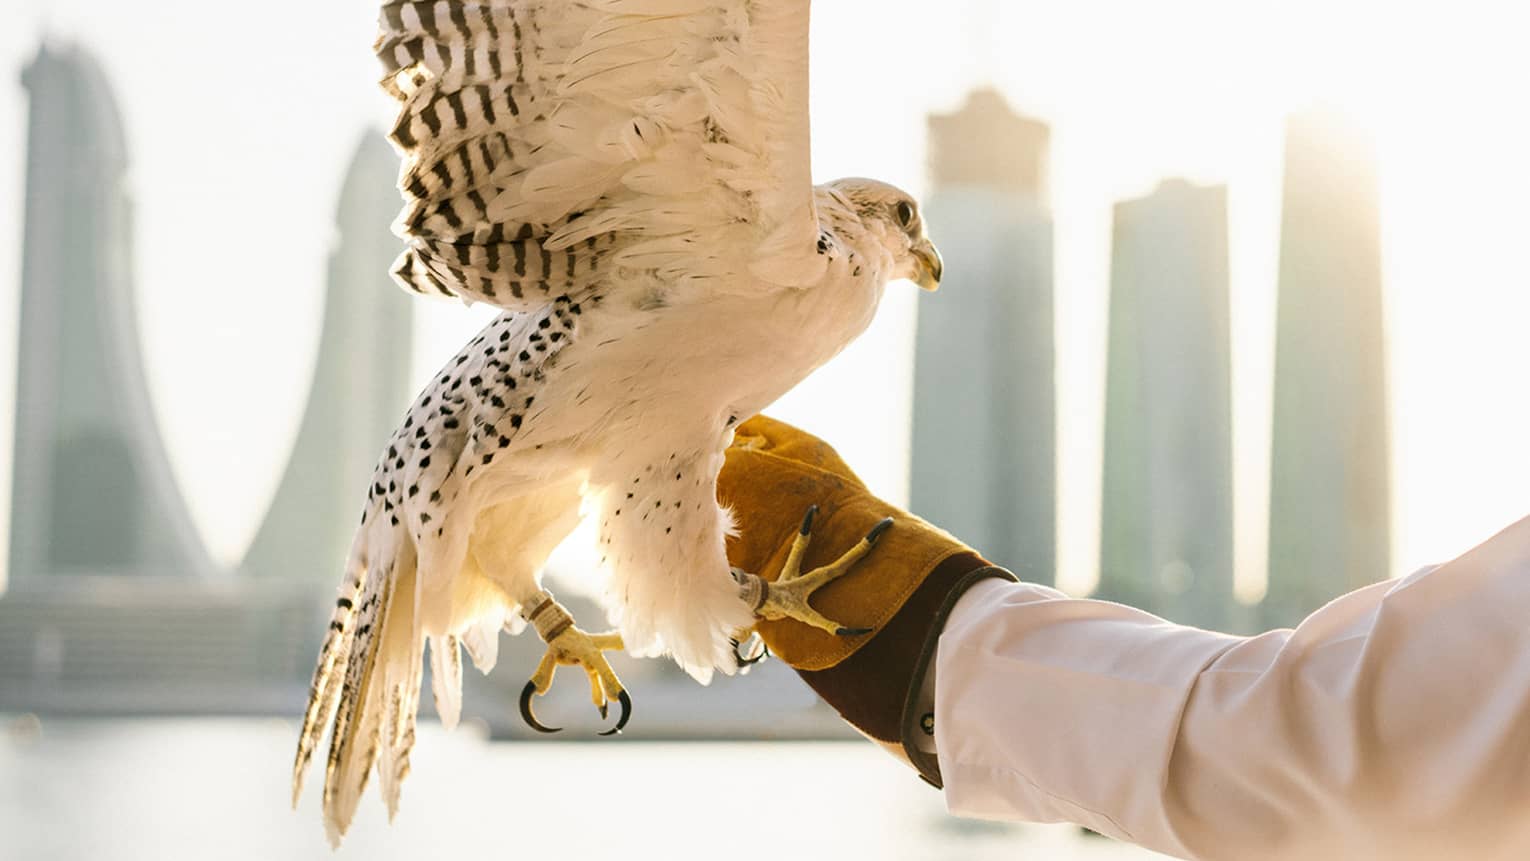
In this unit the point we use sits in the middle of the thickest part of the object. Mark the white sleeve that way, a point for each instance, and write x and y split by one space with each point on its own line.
1392 723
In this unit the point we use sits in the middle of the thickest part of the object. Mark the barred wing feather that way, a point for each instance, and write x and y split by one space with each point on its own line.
546 141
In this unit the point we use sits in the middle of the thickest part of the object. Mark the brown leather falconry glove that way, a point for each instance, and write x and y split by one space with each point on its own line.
902 591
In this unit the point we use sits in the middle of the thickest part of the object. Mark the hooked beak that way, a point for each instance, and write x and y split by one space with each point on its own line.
927 265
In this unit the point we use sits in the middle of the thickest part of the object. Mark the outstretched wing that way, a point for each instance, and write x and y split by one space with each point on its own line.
547 141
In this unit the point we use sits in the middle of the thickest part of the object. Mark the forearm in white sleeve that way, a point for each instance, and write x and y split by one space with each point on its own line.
1392 723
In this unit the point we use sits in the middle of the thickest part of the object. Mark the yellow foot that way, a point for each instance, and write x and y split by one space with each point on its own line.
567 644
787 596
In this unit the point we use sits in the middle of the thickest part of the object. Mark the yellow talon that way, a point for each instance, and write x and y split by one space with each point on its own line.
567 644
787 597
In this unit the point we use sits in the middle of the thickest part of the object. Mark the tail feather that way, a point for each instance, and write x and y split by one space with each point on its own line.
380 665
446 678
324 690
400 670
482 642
397 733
353 743
366 687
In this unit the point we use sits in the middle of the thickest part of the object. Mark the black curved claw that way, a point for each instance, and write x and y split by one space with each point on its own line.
807 520
626 702
530 717
741 661
876 531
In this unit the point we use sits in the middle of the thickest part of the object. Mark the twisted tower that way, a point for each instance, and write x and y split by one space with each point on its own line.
93 492
360 386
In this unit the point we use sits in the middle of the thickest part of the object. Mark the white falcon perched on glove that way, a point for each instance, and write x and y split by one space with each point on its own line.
629 180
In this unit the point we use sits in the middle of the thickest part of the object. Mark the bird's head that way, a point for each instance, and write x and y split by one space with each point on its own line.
892 216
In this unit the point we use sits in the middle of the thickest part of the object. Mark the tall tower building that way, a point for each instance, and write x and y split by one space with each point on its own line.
984 439
1330 510
360 387
1167 519
93 492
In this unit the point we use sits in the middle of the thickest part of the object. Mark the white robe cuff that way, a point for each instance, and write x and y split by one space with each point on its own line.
1393 722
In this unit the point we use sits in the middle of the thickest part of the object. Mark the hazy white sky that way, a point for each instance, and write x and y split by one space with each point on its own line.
239 128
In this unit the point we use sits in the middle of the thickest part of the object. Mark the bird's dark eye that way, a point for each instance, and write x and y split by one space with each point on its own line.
905 213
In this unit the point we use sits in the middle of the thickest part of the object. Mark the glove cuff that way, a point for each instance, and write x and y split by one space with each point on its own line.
876 689
923 761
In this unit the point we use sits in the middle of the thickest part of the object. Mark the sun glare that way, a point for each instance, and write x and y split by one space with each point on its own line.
1201 91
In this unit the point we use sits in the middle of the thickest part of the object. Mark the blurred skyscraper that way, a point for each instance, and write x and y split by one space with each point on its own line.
360 385
114 604
984 434
93 492
1329 487
1167 519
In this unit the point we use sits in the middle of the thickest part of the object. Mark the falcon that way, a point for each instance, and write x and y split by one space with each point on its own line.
629 181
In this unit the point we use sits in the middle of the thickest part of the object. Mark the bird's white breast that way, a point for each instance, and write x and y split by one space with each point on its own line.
671 376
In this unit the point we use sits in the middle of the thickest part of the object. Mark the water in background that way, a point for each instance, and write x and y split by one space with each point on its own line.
177 788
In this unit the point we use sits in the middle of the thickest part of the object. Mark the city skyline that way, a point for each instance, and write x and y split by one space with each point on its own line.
1168 393
154 715
1452 217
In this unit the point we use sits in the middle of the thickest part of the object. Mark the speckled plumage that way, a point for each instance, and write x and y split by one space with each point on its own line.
628 180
